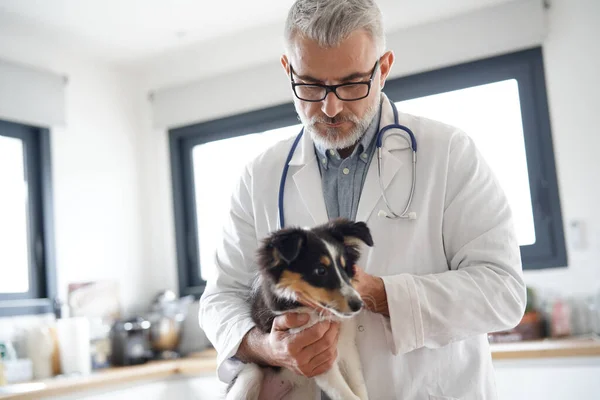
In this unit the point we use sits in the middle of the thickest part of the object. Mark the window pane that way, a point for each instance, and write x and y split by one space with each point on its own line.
491 115
217 167
14 256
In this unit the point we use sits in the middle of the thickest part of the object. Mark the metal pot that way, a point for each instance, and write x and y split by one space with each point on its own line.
165 333
166 317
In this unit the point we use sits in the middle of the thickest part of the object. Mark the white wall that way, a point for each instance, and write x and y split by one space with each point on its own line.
98 210
97 182
572 63
572 59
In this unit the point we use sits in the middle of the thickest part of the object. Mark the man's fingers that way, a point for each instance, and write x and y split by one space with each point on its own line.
328 340
322 363
311 335
289 321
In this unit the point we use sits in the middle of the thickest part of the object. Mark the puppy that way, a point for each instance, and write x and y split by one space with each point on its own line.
309 271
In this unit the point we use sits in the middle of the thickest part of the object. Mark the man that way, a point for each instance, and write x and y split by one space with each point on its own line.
433 286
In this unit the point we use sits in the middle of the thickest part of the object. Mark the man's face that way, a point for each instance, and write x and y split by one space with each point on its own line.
334 123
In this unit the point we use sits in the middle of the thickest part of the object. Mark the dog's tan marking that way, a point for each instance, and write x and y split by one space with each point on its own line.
294 282
326 261
343 262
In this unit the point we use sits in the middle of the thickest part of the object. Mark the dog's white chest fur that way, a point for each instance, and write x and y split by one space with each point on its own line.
344 381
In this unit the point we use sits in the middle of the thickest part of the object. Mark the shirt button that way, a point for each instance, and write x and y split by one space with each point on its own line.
346 171
363 156
324 161
361 328
332 152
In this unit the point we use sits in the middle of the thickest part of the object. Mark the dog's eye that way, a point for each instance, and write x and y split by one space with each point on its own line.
320 271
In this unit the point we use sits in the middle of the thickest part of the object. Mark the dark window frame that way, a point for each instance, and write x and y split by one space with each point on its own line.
42 268
525 66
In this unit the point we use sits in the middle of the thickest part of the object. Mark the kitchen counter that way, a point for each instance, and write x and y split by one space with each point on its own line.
547 348
204 363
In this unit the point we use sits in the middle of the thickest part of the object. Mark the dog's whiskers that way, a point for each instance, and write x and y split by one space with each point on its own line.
370 300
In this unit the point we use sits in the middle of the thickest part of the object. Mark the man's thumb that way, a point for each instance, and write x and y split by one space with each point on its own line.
290 320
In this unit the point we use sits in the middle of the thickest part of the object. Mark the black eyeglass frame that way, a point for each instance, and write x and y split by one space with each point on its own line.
333 88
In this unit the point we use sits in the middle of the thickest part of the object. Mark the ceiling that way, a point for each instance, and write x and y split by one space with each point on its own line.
127 31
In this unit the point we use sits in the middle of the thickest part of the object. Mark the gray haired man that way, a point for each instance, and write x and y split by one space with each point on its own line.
433 287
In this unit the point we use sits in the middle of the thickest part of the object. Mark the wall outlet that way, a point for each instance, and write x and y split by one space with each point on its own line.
577 235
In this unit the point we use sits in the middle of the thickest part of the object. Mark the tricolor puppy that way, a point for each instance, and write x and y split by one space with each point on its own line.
310 271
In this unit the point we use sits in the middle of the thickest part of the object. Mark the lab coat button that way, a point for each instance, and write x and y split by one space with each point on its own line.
361 328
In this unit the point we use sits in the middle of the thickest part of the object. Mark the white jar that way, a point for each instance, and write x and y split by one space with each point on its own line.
74 345
40 347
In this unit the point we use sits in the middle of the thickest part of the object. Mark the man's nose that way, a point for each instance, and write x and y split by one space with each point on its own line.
331 106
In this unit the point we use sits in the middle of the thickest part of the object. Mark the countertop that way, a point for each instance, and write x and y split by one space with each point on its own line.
204 363
195 365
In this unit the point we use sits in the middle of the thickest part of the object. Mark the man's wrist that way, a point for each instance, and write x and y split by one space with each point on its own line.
379 295
253 348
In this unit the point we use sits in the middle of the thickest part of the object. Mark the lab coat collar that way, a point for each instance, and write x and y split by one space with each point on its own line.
391 164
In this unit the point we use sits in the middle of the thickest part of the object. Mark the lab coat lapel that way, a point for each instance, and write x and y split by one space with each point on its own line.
391 164
308 180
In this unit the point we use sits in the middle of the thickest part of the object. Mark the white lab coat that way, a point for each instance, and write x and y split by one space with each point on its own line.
451 276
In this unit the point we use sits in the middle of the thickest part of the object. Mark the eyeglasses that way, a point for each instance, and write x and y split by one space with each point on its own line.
315 92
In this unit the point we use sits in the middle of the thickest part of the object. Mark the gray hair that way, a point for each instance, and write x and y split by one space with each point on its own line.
329 22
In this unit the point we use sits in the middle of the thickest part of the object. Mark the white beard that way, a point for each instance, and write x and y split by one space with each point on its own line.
330 139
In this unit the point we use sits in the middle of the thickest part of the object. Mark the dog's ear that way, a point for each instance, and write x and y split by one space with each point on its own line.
283 245
351 233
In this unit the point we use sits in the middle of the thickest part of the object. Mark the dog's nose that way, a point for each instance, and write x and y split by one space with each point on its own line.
355 304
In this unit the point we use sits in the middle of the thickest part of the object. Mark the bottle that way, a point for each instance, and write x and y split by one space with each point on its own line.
2 374
40 346
561 319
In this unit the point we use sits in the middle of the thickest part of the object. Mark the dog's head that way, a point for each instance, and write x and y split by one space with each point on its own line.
315 266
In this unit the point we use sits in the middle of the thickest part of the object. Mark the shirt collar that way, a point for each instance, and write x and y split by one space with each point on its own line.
324 155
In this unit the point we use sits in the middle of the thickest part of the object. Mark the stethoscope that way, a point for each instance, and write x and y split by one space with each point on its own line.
391 214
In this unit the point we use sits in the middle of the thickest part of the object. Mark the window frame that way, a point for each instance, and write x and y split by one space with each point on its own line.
526 66
181 143
42 269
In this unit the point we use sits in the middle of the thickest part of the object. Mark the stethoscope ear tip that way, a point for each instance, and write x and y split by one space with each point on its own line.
412 215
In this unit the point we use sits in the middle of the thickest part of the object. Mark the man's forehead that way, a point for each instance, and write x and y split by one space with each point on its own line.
357 54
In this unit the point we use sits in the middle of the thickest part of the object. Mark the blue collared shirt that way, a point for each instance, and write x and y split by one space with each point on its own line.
342 179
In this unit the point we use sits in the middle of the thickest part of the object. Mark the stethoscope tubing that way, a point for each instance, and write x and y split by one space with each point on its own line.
379 145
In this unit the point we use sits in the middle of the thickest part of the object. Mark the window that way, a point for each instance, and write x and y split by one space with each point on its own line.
472 109
26 258
500 102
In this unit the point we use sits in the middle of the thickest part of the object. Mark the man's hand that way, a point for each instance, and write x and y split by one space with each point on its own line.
310 352
372 291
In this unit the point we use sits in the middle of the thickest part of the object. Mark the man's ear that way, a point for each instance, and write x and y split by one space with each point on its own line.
352 233
285 63
286 245
385 66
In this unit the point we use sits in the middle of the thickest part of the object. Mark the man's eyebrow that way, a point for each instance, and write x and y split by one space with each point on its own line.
346 78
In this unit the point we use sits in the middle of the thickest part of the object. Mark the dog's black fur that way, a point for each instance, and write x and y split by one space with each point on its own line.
299 251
